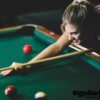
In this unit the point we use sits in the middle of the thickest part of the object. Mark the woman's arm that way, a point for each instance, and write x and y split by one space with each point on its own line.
51 50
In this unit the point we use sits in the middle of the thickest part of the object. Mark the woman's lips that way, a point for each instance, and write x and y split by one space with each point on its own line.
76 41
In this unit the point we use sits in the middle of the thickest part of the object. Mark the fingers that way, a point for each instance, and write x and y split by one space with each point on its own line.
7 72
15 67
19 66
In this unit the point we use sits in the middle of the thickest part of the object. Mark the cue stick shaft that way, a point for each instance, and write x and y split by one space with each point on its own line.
51 58
94 55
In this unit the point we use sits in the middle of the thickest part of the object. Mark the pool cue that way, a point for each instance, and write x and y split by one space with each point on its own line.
77 47
51 59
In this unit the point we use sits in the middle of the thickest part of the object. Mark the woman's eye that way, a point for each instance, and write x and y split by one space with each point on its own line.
75 33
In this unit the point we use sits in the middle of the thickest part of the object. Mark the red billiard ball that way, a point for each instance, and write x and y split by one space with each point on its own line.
10 90
27 49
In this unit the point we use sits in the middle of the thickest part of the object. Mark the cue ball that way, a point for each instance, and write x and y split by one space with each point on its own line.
10 90
27 49
40 96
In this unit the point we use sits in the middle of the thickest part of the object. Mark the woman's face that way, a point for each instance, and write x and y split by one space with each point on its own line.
71 30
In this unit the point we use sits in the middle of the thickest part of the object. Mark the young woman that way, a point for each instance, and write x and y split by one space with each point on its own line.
80 25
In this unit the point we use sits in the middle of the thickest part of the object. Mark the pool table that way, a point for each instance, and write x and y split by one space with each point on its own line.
73 78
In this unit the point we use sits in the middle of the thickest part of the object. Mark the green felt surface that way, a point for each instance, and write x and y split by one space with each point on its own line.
58 79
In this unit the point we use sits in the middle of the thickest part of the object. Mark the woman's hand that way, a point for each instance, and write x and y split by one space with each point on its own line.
15 67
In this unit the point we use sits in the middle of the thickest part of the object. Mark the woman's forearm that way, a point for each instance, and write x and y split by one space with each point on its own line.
51 50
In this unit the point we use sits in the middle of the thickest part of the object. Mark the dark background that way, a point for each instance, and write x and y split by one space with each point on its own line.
47 13
43 12
14 7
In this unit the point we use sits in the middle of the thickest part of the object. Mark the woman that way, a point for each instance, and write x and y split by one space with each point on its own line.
80 25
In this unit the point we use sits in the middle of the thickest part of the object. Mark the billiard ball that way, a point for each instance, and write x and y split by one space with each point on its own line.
27 49
40 96
10 90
